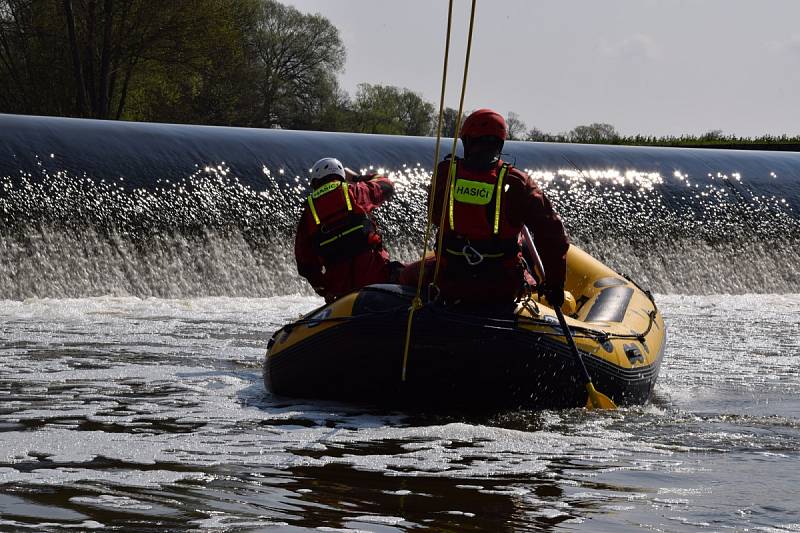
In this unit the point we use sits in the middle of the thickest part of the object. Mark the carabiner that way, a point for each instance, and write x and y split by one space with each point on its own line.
471 255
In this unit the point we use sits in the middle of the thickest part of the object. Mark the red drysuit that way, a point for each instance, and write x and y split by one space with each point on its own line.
337 248
476 220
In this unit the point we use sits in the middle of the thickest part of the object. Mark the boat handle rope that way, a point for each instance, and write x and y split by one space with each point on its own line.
416 303
601 337
645 291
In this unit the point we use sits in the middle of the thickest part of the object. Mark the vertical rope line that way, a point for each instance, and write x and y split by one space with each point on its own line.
455 141
417 302
436 154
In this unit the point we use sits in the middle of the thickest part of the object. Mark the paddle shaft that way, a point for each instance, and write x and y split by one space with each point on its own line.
526 233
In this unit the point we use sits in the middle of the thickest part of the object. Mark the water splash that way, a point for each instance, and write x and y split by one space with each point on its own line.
211 233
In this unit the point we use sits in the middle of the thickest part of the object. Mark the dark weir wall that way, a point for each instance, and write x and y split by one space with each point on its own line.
143 152
97 207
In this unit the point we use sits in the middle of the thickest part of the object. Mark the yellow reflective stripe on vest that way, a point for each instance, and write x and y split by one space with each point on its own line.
452 193
346 196
342 234
313 211
502 175
325 189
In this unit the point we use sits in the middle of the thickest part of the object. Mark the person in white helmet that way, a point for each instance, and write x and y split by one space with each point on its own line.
338 248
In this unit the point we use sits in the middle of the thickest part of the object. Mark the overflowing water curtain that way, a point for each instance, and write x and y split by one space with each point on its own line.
91 208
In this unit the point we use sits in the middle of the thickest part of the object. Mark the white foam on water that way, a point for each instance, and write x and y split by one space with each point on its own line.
117 478
547 513
145 382
397 492
341 529
375 519
44 526
113 502
227 522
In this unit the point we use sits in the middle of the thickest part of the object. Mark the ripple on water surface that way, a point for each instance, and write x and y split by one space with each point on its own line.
132 412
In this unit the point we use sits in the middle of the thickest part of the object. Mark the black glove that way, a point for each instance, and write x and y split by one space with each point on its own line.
554 295
362 177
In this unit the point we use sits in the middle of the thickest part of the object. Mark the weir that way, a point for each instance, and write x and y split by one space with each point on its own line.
93 207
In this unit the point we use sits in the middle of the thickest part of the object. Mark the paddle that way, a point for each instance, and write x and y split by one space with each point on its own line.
596 399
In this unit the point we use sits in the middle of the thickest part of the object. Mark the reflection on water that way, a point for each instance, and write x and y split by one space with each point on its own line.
150 413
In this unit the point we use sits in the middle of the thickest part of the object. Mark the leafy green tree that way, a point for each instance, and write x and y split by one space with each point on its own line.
245 62
535 134
209 79
31 58
597 133
92 57
296 60
713 136
449 119
390 110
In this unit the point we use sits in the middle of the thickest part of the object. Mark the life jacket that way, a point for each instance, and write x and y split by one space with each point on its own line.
477 234
343 229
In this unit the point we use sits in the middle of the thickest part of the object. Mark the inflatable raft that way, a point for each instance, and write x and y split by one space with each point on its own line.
507 356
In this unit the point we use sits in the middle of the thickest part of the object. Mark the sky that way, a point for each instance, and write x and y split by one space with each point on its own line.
658 67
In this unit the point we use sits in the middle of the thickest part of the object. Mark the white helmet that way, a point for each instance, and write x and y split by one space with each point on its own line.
327 166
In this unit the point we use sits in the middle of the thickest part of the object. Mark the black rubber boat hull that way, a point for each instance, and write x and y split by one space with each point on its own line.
485 362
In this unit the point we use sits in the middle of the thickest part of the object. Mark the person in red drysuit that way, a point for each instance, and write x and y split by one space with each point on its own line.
338 248
486 204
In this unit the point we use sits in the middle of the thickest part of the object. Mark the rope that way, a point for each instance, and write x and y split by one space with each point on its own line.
417 301
451 169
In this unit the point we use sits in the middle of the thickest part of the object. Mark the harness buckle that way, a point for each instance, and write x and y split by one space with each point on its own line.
472 256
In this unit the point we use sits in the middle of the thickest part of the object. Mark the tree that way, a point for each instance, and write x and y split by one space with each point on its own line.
415 113
390 110
713 135
104 51
449 118
595 133
535 134
30 59
516 127
297 57
210 77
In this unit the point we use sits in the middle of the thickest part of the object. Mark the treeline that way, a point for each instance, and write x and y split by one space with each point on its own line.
254 63
602 133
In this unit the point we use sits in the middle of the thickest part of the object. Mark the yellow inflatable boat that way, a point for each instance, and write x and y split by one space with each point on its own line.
507 356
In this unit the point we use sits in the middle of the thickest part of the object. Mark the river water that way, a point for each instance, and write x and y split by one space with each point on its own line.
143 268
151 414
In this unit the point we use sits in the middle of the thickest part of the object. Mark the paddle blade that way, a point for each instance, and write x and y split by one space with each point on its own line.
598 400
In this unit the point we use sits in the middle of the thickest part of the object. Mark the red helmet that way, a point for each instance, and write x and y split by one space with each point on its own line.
482 123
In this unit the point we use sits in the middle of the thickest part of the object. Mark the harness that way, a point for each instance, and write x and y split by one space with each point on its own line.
468 242
342 231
